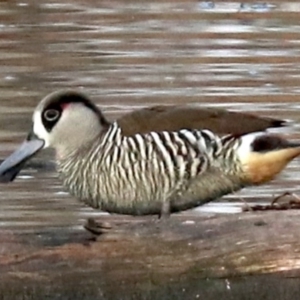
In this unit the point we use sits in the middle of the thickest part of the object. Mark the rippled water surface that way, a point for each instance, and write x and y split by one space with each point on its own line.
131 54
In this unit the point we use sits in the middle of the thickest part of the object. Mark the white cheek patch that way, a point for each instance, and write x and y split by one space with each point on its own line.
245 147
39 129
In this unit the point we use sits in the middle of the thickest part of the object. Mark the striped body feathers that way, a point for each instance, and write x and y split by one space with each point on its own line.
135 175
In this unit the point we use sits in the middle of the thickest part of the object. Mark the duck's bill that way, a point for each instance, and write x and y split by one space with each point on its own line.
13 164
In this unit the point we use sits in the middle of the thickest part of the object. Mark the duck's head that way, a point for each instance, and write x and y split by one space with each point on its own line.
64 120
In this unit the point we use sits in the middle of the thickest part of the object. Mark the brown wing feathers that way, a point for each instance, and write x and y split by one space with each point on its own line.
173 118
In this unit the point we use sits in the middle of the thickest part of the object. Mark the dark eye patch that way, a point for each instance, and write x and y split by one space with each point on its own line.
51 116
61 100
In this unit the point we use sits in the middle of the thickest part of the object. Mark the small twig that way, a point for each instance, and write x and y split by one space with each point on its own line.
276 199
274 205
246 206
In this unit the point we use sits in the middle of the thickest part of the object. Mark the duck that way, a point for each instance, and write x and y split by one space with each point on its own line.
145 172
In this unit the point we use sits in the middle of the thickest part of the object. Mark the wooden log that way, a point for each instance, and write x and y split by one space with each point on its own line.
142 258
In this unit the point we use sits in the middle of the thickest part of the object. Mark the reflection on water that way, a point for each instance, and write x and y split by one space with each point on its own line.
129 54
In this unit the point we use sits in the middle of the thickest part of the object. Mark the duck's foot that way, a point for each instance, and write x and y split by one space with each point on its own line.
115 225
293 203
97 228
126 227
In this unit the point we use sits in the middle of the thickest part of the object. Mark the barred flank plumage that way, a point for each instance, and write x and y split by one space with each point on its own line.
135 175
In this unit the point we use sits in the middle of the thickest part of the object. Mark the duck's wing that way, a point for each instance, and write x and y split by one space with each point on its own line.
173 118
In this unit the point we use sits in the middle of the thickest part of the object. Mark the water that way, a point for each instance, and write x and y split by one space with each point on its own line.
129 54
125 55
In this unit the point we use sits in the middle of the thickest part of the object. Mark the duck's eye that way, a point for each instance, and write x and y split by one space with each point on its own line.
51 115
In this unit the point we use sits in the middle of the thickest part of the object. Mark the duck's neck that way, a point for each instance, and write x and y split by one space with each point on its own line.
75 142
77 168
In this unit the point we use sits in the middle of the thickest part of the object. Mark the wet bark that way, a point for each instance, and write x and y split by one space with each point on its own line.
212 256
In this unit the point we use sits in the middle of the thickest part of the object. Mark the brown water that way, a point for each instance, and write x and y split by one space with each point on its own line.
130 54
